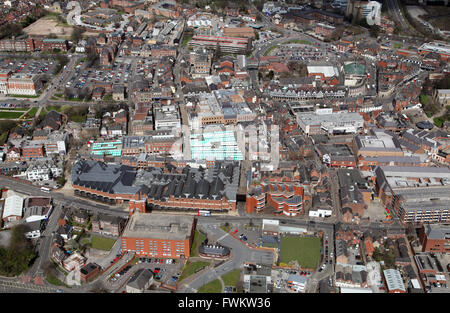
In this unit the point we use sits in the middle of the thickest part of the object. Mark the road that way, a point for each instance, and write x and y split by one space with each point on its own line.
396 14
69 201
9 286
240 253
45 242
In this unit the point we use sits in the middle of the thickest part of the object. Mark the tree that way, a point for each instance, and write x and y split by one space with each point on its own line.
10 30
260 75
68 93
77 34
62 181
92 57
271 74
16 258
217 53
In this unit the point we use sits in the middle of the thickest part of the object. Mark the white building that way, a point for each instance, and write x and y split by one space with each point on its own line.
167 117
74 262
81 46
443 96
24 84
320 213
35 230
56 143
37 209
13 208
296 283
394 281
313 123
43 169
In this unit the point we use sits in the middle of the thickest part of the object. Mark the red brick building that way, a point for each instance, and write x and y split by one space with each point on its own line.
89 272
284 198
153 235
32 151
435 238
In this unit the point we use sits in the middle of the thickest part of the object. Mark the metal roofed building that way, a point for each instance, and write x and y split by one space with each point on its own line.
325 71
192 189
105 182
379 143
155 235
296 283
13 208
416 194
440 47
214 251
435 238
113 148
394 281
313 123
215 145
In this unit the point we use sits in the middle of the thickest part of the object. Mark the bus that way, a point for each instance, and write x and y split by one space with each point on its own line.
204 213
45 189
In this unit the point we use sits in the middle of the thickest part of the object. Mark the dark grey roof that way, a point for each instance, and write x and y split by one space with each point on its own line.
108 178
140 279
214 249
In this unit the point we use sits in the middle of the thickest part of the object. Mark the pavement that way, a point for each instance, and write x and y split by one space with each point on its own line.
240 253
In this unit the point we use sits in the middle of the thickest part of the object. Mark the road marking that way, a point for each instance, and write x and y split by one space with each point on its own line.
222 237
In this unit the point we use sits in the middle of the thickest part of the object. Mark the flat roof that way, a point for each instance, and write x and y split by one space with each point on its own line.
159 226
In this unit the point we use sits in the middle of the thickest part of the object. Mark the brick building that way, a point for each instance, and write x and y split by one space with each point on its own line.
435 238
153 235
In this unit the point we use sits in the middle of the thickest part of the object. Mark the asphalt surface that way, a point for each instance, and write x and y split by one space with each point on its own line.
240 253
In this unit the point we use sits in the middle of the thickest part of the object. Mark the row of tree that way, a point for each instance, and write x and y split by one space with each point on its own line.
19 254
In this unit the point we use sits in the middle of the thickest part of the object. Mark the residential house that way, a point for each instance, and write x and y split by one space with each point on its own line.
73 262
65 231
141 280
108 225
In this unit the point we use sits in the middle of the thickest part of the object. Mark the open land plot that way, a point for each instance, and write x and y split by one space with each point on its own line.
102 243
45 26
305 250
437 16
213 287
232 278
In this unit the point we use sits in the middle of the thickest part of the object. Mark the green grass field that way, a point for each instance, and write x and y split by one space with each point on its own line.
270 50
23 96
56 108
14 109
102 243
31 113
213 287
12 114
198 239
190 268
52 279
185 41
231 278
303 42
306 250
